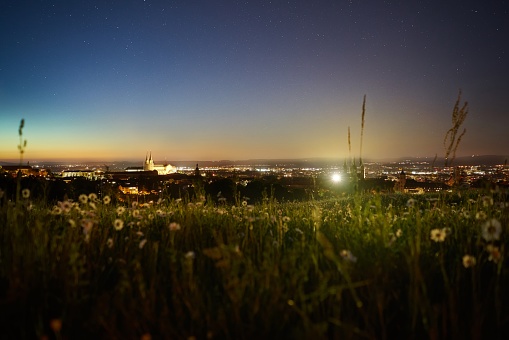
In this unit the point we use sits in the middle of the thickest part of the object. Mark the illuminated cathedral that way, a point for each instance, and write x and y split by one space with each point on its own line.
162 169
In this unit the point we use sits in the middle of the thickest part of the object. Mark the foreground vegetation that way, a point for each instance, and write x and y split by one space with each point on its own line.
362 266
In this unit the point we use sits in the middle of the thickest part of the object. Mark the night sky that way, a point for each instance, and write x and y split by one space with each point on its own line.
212 80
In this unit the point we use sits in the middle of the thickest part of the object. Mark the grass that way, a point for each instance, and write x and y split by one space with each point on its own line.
359 267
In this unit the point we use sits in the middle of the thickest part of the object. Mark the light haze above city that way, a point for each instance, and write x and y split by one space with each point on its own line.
215 80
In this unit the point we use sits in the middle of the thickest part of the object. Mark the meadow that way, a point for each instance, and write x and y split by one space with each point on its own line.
360 266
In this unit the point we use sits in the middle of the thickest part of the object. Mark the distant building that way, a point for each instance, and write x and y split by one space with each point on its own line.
148 165
25 170
88 174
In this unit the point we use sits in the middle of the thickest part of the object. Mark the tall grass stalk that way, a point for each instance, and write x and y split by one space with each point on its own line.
21 147
362 128
451 139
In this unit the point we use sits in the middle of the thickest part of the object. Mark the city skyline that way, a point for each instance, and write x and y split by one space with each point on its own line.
248 80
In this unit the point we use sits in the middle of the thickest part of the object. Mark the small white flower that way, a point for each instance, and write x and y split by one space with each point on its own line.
87 225
411 202
347 255
25 193
491 230
92 196
174 226
480 215
118 224
468 261
83 198
65 206
109 243
495 254
56 211
106 200
438 235
190 255
120 210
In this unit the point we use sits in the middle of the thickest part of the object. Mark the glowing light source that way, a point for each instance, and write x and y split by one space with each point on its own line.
336 178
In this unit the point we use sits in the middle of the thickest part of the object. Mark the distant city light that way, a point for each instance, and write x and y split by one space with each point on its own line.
336 178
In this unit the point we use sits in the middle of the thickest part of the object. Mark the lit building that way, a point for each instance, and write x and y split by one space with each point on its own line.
148 165
89 174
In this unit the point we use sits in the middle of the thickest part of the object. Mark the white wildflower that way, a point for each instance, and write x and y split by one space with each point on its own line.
469 261
118 224
347 255
174 226
491 230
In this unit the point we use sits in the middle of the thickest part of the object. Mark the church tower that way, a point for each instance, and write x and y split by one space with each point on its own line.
149 163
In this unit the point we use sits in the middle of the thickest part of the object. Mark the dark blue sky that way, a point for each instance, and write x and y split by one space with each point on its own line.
211 80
